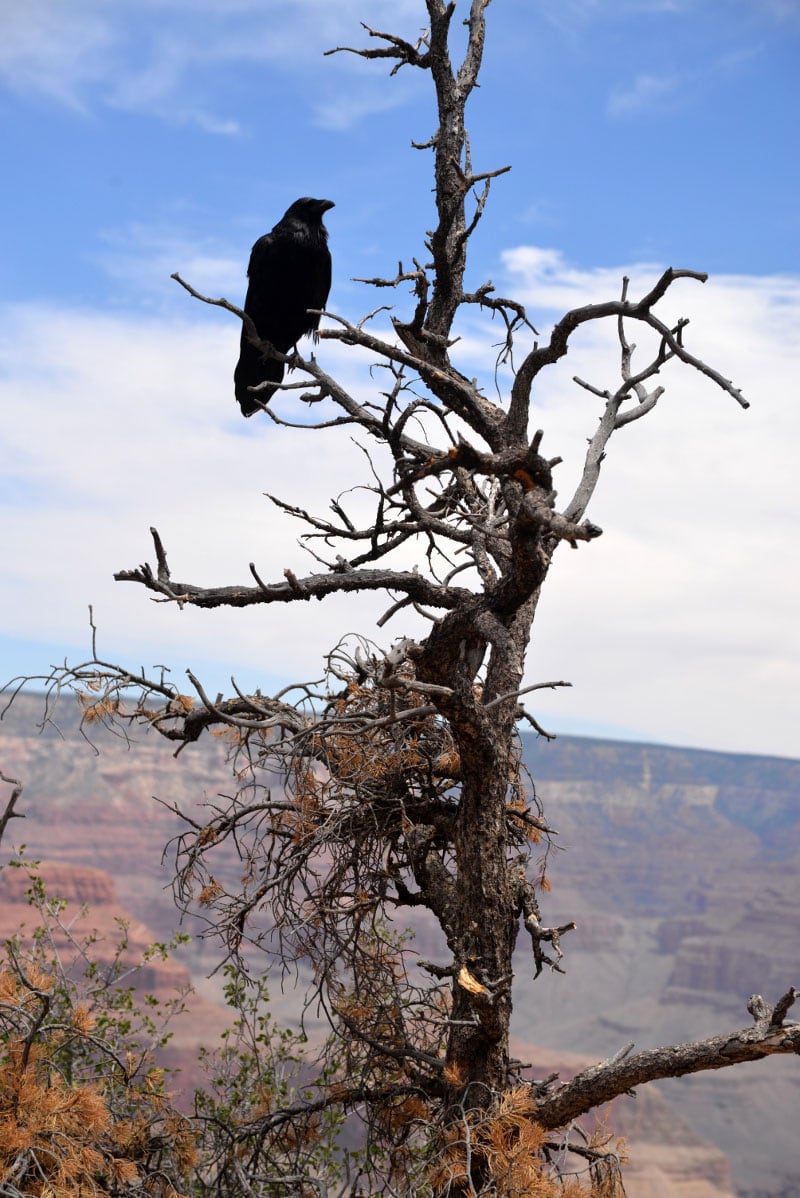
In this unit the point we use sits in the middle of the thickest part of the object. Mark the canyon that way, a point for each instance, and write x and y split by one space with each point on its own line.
679 867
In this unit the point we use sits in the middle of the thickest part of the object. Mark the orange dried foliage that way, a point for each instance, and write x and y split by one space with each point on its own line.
122 1172
54 1124
59 1139
504 1146
504 1149
232 735
39 980
340 1092
308 793
8 987
96 709
210 893
183 1138
207 835
130 1136
448 764
518 806
398 1115
82 1019
453 1075
379 753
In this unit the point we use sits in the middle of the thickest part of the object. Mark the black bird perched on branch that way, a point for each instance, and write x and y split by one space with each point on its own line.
289 272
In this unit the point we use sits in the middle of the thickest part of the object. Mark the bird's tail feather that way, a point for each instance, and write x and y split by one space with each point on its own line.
251 370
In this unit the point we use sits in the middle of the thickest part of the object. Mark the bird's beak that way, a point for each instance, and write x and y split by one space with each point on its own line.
324 205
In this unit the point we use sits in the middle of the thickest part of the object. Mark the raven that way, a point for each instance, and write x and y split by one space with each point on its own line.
289 272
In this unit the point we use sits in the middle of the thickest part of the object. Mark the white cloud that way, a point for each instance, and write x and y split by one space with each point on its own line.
164 58
553 284
112 425
48 48
681 619
679 623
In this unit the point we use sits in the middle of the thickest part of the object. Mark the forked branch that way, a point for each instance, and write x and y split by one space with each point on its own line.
606 1081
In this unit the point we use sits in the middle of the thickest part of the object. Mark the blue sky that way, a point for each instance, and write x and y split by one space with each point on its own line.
142 138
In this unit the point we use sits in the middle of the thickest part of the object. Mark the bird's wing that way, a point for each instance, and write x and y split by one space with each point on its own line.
260 254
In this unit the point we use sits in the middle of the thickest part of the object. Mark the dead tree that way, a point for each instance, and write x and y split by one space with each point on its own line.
397 782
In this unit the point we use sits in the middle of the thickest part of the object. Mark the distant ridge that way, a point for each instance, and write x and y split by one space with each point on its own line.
552 757
573 757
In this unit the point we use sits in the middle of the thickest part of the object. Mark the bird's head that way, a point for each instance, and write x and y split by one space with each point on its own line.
308 209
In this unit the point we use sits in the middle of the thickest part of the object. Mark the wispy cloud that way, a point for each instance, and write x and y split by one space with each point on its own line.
143 258
584 12
574 17
778 10
671 91
49 49
540 211
90 55
161 86
166 57
644 94
341 112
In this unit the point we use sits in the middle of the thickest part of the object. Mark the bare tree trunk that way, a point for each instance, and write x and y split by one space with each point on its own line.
403 784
